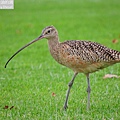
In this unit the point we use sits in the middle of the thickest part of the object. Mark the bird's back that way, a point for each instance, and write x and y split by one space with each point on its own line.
86 56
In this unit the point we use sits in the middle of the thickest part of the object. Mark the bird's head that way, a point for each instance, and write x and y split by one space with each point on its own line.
49 32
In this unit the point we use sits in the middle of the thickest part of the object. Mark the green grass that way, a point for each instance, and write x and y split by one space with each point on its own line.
33 76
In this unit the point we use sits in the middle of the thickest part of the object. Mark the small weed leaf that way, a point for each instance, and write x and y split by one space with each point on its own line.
111 76
53 94
11 107
6 107
114 41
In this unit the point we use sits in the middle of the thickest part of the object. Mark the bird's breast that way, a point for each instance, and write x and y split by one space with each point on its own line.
70 60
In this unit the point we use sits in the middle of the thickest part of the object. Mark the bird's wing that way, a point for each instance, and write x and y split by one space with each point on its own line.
91 51
86 56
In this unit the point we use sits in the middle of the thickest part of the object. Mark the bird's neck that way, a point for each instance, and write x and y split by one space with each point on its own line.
53 44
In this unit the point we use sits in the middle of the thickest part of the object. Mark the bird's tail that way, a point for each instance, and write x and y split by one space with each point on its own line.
118 56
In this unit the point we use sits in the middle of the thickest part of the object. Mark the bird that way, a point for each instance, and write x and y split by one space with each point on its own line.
81 56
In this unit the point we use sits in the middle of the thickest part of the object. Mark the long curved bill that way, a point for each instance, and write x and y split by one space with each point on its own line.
40 37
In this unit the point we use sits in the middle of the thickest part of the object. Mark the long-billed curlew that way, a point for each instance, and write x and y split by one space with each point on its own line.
80 56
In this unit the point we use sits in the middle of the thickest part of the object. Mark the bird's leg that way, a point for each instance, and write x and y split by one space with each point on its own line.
68 92
88 91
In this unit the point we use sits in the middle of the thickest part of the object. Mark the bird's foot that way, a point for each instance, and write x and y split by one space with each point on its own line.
65 107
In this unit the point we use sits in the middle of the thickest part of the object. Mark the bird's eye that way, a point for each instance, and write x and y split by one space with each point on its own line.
48 31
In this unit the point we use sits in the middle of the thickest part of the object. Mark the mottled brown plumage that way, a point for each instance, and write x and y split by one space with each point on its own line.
86 57
80 56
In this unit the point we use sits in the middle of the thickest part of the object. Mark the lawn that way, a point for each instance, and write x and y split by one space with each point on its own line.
33 86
